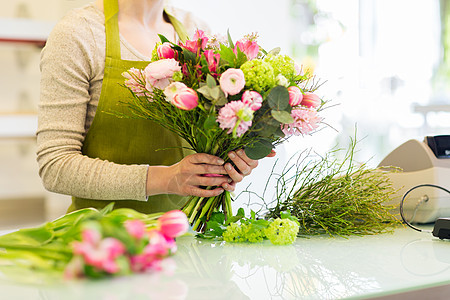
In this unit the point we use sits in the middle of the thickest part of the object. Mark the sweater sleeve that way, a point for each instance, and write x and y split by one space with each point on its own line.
71 76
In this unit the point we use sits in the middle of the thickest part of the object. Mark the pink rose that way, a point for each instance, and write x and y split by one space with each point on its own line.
173 223
250 48
159 74
252 99
185 99
310 100
232 81
165 51
295 95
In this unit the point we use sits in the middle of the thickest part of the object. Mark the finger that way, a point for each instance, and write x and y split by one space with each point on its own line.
203 158
240 164
272 153
199 192
211 181
251 162
233 173
230 187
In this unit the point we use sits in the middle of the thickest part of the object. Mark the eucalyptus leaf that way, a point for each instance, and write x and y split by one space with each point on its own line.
210 81
259 149
282 116
278 98
274 51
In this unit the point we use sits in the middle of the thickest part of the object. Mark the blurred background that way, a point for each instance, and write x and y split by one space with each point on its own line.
384 65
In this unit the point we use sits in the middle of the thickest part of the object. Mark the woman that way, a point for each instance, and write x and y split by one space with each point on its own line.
88 153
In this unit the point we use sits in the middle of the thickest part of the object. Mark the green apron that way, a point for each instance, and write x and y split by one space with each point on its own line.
123 140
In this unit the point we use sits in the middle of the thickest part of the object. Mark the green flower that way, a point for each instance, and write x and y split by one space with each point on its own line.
259 75
243 233
282 231
281 64
155 56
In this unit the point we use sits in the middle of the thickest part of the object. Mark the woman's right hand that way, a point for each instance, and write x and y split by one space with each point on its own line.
187 177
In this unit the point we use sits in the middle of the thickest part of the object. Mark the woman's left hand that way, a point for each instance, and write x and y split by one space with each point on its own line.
244 166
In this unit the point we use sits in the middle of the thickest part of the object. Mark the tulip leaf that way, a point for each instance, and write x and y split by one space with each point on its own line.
282 116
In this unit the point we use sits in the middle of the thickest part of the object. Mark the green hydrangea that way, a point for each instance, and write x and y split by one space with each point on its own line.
282 231
236 233
281 64
155 53
259 75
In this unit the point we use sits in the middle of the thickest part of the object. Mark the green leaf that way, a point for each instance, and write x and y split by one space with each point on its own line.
278 98
259 149
163 39
282 116
274 51
228 55
210 81
189 55
230 41
210 123
107 209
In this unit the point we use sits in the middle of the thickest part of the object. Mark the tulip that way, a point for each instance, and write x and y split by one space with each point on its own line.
165 51
185 99
250 48
310 100
252 99
172 89
136 228
295 95
173 223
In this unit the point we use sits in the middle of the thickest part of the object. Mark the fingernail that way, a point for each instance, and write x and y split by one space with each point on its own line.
230 180
228 167
220 161
225 186
231 155
241 152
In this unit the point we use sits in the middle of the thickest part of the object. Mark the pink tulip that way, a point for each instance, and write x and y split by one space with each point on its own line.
165 51
295 95
136 228
232 81
252 99
172 89
250 48
159 73
310 100
185 99
173 223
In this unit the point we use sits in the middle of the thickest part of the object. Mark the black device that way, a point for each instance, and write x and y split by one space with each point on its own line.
442 228
440 145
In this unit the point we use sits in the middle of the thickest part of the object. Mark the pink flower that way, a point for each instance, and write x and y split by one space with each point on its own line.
173 223
212 60
252 99
236 116
172 89
136 228
250 48
310 100
165 51
198 42
295 95
232 81
185 99
101 254
159 74
135 82
305 121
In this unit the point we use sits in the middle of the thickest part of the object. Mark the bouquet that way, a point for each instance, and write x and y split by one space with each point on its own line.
221 96
92 243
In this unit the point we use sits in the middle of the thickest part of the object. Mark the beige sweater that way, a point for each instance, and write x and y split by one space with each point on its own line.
72 66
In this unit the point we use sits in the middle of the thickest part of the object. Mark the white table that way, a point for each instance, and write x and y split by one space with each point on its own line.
314 268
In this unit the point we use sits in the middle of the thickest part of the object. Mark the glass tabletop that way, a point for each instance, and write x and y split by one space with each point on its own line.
313 268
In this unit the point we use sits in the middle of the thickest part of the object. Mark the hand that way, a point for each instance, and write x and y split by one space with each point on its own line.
187 177
245 166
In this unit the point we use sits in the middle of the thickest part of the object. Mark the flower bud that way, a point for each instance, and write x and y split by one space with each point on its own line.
310 100
185 99
165 51
295 95
173 223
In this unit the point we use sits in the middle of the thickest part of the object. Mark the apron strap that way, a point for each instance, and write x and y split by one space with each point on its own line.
111 9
